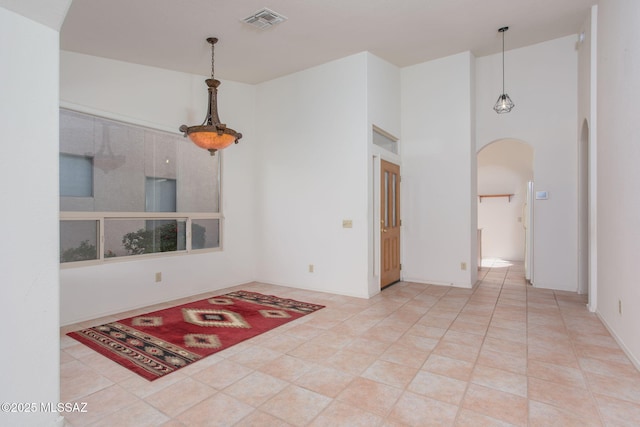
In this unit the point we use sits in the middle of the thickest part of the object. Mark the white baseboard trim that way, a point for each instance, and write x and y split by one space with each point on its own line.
621 343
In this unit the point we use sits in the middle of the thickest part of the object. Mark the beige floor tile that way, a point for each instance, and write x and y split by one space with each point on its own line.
444 389
256 388
139 414
621 388
324 380
427 331
261 419
223 374
341 414
107 367
313 352
180 396
142 387
456 350
609 368
506 346
255 356
496 404
500 380
570 399
454 368
468 418
367 346
287 367
304 331
543 415
370 395
78 380
101 404
405 355
504 361
564 375
217 410
349 361
390 373
296 405
618 412
415 410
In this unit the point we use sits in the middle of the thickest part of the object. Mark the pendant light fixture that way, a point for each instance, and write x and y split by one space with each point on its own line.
211 134
504 103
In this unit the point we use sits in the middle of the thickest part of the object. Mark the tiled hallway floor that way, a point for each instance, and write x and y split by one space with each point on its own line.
501 354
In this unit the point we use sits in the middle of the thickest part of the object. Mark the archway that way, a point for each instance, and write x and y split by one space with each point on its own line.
505 168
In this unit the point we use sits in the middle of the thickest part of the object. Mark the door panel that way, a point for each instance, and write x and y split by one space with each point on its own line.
389 223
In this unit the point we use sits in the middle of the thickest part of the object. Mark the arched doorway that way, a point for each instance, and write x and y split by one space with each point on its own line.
505 169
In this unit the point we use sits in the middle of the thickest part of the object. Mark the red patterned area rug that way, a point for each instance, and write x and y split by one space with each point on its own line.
158 343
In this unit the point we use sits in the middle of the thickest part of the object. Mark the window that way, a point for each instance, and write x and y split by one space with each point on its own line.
129 191
385 140
76 176
78 240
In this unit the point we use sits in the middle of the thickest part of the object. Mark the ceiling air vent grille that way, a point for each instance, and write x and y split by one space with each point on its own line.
264 18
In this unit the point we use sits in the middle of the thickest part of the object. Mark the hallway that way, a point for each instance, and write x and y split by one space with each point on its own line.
502 354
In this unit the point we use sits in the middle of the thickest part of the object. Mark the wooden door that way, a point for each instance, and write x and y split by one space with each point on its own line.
389 223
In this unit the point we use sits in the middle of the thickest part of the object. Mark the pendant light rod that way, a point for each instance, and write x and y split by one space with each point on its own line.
502 30
213 40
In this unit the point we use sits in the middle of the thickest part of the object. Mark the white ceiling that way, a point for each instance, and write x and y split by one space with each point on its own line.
172 33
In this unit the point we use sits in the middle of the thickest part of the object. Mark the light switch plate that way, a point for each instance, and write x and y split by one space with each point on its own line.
347 223
542 195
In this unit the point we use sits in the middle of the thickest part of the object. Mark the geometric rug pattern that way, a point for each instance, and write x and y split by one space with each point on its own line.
158 343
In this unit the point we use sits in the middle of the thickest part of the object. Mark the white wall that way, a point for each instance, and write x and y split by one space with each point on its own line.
618 171
163 100
504 167
542 82
29 363
587 155
438 161
312 173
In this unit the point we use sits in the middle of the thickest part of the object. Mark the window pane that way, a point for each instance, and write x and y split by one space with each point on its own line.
386 199
160 195
76 176
78 240
124 237
384 141
205 233
393 200
124 156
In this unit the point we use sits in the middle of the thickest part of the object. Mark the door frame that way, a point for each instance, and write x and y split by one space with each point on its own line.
375 209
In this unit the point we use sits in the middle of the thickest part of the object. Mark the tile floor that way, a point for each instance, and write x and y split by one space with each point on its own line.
502 354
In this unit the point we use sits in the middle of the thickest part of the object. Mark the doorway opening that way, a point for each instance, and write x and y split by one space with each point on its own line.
505 208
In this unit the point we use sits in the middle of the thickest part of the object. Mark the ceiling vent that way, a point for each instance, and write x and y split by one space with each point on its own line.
264 18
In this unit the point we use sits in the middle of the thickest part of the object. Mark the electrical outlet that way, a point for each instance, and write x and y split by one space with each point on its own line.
158 277
620 307
463 266
310 268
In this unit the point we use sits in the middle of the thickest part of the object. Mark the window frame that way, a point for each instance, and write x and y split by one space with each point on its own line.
101 217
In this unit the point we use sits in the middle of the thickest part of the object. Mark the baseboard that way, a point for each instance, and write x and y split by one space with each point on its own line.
624 348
